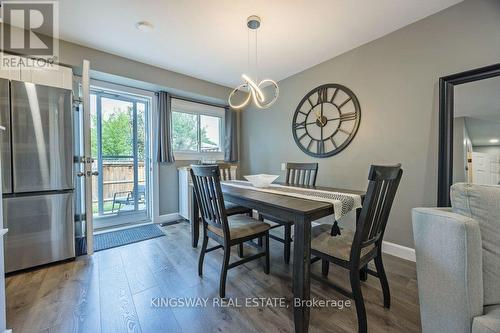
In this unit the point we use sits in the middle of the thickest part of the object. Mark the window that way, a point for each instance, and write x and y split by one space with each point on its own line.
196 128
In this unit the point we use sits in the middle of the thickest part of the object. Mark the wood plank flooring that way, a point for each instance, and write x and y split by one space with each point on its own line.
113 292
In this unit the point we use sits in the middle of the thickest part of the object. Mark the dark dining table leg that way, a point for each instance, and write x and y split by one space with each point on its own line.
195 220
301 273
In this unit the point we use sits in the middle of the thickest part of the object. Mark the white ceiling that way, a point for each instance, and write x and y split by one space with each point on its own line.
207 39
482 131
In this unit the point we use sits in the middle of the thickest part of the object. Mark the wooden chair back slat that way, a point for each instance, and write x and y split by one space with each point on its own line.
225 171
208 193
382 187
303 174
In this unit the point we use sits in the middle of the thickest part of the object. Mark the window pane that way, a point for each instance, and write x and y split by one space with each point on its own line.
184 131
141 130
210 133
141 157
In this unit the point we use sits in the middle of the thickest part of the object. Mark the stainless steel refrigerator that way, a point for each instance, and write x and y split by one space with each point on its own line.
37 171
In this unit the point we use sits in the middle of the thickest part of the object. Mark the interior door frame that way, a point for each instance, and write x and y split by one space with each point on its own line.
133 95
87 157
446 116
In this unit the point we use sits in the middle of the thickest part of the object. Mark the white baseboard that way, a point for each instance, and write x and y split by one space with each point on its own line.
168 218
399 251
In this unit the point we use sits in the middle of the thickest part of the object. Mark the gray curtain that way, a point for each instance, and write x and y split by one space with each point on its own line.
231 136
164 152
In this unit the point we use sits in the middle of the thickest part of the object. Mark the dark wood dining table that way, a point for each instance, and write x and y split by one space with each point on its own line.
299 211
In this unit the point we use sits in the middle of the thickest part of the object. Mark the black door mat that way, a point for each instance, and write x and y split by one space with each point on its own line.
122 237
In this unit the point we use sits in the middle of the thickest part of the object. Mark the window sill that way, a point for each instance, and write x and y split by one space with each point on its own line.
196 156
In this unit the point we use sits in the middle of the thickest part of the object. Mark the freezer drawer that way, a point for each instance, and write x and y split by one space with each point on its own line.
41 230
5 136
42 137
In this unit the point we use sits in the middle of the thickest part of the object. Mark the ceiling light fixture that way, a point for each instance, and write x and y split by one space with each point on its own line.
494 141
144 26
252 89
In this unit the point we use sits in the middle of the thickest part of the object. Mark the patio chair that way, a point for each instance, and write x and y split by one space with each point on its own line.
126 198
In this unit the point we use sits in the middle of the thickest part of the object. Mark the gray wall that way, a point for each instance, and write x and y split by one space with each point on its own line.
495 150
169 186
122 70
112 68
396 81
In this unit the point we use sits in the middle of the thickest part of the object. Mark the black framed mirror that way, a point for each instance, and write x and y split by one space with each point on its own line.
447 87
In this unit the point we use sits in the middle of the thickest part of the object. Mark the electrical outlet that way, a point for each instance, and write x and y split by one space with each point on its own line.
283 166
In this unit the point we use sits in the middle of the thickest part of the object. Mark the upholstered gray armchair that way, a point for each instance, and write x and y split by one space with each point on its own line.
458 261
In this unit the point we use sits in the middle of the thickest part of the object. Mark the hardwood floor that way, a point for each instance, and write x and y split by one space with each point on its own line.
114 291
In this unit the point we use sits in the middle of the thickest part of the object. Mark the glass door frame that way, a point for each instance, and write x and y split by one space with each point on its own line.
135 216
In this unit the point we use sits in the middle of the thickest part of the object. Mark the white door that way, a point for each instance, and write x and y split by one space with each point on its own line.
481 169
494 169
87 157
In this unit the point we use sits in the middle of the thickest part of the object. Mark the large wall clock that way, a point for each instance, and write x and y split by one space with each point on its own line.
326 120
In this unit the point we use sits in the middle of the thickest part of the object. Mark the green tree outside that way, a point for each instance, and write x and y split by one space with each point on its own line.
117 133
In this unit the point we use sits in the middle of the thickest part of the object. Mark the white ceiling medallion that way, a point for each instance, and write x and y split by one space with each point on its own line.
250 89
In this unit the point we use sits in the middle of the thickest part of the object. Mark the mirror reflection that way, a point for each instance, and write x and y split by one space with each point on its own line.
476 137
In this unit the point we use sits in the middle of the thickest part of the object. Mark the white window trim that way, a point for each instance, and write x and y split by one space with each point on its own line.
204 110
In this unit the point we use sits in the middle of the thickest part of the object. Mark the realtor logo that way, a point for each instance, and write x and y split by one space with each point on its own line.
30 28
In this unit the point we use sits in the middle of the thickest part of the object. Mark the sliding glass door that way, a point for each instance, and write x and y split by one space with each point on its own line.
120 159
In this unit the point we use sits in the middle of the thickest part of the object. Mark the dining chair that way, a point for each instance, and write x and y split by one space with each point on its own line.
226 231
299 174
232 208
354 250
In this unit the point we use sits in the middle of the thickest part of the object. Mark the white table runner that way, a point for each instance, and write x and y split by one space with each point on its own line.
342 203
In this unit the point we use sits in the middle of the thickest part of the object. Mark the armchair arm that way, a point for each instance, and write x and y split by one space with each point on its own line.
449 269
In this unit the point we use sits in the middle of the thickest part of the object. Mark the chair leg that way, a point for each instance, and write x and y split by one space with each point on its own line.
267 263
288 241
325 267
363 274
358 300
202 256
223 273
240 250
383 280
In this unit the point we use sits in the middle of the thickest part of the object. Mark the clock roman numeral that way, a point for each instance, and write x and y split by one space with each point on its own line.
348 116
309 100
322 95
334 95
310 144
300 125
333 142
302 136
344 131
344 102
320 149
